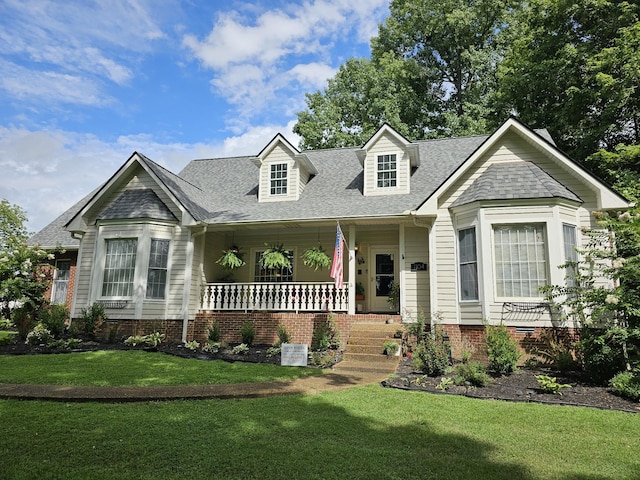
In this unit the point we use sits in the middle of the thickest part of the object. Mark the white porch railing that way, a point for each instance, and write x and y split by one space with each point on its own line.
290 296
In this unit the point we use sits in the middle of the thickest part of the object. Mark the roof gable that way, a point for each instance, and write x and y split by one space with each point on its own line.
606 198
137 203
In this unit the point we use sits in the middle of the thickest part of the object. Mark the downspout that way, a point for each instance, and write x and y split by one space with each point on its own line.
188 281
74 299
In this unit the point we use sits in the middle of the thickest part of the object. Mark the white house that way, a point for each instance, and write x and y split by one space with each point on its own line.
468 227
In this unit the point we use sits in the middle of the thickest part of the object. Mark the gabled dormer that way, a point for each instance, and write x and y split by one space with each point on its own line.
284 171
387 159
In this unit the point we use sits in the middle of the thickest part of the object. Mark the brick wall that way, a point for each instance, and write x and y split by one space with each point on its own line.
300 326
461 336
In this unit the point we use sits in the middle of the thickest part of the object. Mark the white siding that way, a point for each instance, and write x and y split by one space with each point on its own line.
386 144
416 284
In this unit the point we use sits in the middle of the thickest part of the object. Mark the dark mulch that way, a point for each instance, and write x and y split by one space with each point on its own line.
521 386
256 353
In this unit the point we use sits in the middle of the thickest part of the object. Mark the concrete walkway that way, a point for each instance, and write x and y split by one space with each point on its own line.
338 379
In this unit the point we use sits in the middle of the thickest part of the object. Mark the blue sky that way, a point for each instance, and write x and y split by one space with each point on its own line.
83 84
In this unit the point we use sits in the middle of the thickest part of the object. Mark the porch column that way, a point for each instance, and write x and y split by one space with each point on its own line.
352 270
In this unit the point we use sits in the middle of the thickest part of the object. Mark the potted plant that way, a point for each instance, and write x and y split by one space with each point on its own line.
275 257
359 291
316 258
231 258
390 348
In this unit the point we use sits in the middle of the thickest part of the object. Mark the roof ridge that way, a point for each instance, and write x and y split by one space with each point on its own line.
147 159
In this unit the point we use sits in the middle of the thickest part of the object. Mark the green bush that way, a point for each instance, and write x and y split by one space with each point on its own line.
54 318
627 384
473 372
5 324
550 384
214 333
283 335
93 318
602 354
248 333
326 335
432 355
502 350
39 335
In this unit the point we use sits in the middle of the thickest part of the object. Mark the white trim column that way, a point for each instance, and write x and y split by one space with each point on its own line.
352 270
401 271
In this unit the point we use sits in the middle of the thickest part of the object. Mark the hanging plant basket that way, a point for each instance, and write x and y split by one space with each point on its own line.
231 259
316 258
275 257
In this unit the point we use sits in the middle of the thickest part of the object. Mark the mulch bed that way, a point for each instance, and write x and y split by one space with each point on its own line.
521 386
256 353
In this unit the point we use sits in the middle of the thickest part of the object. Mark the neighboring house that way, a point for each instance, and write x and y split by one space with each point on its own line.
468 227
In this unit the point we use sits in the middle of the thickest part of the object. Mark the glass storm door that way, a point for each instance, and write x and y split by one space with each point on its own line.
384 263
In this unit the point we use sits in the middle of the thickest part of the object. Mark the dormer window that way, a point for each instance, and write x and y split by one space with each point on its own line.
387 171
278 179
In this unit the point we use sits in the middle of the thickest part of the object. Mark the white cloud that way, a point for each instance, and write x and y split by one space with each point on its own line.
80 44
280 44
46 172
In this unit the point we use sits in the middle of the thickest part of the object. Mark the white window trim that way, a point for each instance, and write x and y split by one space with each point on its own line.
548 257
398 158
55 279
478 265
168 269
256 250
287 178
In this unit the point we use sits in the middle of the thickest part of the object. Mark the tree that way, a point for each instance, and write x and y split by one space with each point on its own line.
432 74
620 168
12 226
574 67
25 273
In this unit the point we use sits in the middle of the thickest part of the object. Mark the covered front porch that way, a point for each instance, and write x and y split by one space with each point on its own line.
381 256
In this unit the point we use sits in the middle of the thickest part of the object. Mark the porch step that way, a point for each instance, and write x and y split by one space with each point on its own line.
364 352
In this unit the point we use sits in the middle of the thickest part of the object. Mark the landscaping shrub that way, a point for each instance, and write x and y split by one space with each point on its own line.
214 333
5 324
40 335
54 318
557 349
283 335
602 353
502 350
627 384
241 349
551 385
248 333
473 372
326 335
432 355
93 318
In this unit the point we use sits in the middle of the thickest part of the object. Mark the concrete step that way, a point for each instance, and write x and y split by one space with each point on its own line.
375 329
375 349
369 340
387 366
368 357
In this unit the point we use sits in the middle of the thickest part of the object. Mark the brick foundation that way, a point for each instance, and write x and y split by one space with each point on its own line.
461 336
300 326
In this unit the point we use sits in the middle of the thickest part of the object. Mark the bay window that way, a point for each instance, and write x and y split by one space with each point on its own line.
119 267
468 264
157 271
520 254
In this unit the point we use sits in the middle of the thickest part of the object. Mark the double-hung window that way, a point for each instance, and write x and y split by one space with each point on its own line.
278 179
273 275
468 264
570 254
157 271
520 260
387 171
119 267
61 281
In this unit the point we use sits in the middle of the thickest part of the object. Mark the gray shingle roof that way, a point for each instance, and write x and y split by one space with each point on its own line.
138 203
225 190
510 181
231 185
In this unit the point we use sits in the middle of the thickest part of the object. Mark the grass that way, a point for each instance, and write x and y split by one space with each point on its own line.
135 367
364 432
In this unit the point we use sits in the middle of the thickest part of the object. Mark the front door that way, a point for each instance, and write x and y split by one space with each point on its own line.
384 270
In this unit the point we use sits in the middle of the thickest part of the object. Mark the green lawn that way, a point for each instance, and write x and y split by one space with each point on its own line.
364 432
135 367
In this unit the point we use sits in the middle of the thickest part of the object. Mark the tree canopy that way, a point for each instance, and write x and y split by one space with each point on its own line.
458 67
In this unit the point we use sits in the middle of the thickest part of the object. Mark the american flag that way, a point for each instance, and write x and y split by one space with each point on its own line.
336 266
